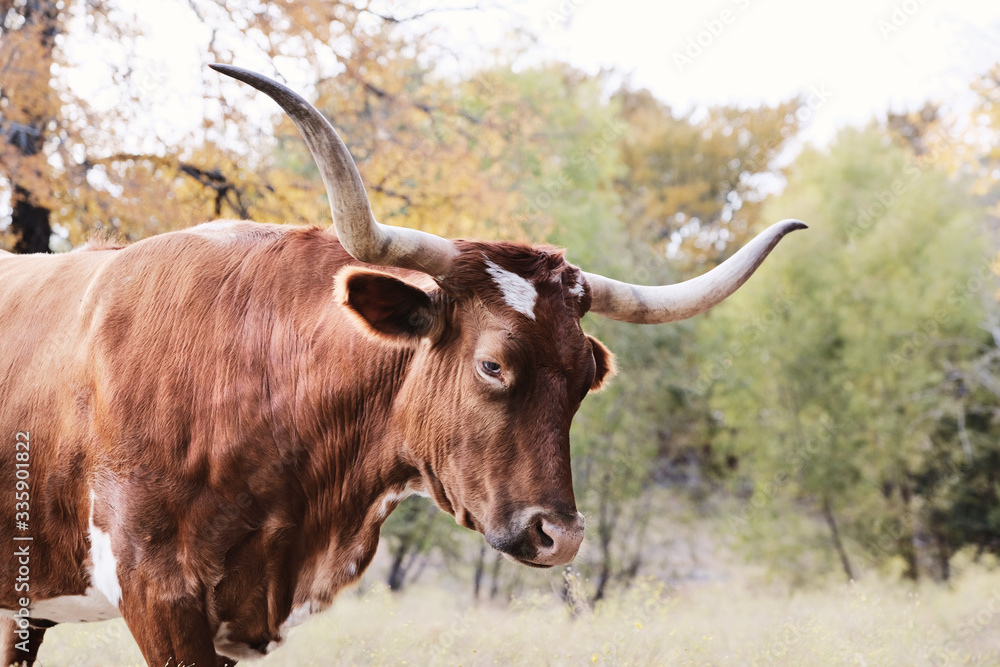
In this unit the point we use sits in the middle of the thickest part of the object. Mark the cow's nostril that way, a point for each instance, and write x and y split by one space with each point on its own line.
543 538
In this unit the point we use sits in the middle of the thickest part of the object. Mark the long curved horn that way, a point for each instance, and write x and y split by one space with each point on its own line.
360 234
668 303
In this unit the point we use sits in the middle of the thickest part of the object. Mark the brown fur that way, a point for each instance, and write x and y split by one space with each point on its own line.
241 419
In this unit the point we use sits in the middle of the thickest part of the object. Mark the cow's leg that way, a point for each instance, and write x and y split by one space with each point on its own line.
12 646
170 633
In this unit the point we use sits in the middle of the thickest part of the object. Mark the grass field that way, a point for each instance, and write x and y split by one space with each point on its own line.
868 623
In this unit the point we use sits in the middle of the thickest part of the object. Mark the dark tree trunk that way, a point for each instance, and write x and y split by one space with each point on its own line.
909 554
602 577
630 572
944 558
30 222
397 573
908 548
477 578
838 544
495 575
606 523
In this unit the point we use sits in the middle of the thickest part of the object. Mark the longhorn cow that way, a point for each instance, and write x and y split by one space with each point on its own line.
204 431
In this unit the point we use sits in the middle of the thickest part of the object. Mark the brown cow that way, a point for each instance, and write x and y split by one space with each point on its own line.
207 428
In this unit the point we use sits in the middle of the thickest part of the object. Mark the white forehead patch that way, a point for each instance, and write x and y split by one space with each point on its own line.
517 291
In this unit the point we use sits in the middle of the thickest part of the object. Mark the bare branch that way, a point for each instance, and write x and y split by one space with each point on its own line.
214 179
392 193
420 15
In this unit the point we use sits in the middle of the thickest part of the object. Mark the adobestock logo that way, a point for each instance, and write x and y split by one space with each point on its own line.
899 16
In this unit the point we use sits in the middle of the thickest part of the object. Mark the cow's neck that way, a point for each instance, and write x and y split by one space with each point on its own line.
353 466
338 473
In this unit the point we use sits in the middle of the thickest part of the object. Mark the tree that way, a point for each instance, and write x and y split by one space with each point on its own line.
72 169
695 184
690 195
30 105
413 533
853 341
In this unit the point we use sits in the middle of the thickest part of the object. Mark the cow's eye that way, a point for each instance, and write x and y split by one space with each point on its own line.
491 368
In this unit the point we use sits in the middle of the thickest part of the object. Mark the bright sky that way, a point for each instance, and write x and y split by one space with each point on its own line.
859 57
850 59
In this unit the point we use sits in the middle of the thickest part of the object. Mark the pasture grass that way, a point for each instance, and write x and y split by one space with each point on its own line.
873 622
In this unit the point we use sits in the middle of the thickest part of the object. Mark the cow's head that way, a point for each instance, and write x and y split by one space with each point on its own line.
500 363
500 367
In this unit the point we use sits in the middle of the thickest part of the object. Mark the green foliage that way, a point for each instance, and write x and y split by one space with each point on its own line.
960 483
840 387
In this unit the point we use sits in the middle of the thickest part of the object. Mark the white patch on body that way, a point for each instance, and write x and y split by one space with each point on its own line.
91 607
104 572
300 615
517 291
100 601
393 497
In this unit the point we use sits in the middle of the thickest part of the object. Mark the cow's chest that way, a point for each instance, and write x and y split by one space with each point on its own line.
241 636
227 644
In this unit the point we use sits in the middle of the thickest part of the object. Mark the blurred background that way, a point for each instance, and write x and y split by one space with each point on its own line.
809 474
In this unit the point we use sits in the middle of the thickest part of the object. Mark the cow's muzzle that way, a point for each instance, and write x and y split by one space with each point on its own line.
542 539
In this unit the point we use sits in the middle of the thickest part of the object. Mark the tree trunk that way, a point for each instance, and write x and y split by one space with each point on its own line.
909 547
495 584
397 573
477 578
943 557
30 222
909 553
838 544
418 563
606 523
603 576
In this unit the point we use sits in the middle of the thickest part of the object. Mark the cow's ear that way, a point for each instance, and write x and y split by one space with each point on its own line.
605 360
388 307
